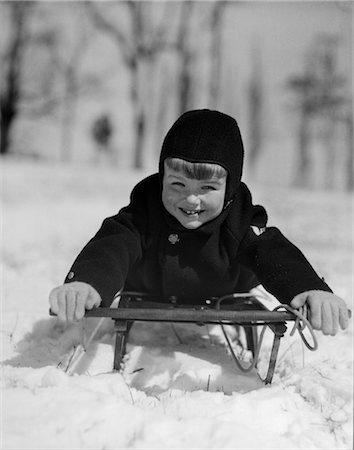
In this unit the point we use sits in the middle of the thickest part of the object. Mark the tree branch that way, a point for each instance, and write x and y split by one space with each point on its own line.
105 25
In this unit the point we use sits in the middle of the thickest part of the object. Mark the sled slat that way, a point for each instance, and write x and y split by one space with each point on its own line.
192 315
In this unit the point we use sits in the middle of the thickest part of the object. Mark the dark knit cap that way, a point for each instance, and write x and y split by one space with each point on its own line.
207 136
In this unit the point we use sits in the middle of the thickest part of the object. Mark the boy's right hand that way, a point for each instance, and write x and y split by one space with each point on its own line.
70 301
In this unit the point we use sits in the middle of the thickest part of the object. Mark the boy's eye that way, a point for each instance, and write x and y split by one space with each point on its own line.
177 183
208 188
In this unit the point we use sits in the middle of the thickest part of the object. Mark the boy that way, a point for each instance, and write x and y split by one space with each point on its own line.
191 232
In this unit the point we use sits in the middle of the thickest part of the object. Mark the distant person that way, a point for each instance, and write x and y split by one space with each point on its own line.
191 232
102 131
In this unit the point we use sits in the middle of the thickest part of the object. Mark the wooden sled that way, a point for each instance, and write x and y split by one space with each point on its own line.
241 310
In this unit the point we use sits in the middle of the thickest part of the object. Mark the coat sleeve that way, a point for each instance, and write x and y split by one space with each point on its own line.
105 260
279 265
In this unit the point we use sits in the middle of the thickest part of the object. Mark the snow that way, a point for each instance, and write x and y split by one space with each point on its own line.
179 387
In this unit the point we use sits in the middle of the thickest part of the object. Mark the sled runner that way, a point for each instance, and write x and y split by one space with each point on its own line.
243 311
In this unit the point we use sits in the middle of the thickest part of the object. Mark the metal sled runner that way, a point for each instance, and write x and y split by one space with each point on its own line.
241 310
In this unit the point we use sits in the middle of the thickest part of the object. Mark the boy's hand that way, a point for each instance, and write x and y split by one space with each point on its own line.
327 311
70 301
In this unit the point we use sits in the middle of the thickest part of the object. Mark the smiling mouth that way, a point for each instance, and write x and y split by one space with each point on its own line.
191 212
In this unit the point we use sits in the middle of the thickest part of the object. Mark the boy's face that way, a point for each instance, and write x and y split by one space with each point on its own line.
192 202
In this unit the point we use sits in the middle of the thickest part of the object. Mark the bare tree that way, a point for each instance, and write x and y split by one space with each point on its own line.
349 161
139 44
185 57
216 54
211 25
330 99
255 111
69 104
68 55
302 86
348 9
12 68
320 99
35 66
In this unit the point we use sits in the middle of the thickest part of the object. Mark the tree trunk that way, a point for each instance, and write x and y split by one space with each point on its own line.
69 115
255 108
329 146
5 127
140 126
11 91
216 53
139 49
303 166
350 153
185 80
139 121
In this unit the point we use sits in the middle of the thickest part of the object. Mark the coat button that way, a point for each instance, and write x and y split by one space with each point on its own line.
71 275
173 238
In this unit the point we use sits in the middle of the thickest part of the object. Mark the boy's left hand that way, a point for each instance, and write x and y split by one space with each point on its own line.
327 311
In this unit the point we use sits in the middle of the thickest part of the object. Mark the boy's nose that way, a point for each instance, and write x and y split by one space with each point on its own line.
192 199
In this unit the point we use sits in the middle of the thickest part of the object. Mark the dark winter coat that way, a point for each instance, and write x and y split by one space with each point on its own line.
144 248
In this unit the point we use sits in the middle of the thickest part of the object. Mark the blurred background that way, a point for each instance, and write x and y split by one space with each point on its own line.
101 82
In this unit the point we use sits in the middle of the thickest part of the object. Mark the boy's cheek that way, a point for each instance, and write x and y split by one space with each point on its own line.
167 201
169 197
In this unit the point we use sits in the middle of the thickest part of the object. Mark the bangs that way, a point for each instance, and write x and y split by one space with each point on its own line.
198 171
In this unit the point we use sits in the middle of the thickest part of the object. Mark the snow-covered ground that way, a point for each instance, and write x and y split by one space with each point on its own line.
179 387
